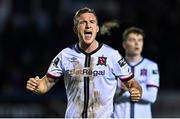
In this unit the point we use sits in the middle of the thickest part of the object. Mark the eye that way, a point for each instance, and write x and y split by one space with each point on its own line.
130 39
81 22
140 39
93 21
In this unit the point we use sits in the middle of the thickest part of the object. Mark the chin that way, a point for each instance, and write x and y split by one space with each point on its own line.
133 54
88 42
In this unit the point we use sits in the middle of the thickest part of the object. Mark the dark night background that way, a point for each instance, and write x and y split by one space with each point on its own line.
32 32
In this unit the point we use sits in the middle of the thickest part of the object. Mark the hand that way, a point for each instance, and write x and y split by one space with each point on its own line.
33 84
135 94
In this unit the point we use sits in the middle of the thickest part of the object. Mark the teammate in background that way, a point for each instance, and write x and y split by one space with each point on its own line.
90 70
145 72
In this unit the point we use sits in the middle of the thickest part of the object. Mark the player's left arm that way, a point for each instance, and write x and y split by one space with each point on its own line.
149 95
150 92
134 88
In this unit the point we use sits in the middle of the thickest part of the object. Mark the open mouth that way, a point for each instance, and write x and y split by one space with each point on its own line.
136 49
88 34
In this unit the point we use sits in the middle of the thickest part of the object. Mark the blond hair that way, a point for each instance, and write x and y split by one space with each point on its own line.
81 11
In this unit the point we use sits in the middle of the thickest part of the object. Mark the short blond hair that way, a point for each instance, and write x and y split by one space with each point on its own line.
82 11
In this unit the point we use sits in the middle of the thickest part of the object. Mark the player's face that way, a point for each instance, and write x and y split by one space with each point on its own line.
134 44
87 28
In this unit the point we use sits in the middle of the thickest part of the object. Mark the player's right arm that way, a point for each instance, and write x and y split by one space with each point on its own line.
44 84
40 85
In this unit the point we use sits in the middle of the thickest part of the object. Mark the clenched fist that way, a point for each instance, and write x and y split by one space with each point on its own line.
35 85
135 94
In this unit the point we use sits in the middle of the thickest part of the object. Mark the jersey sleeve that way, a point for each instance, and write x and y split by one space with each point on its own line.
55 70
120 67
153 76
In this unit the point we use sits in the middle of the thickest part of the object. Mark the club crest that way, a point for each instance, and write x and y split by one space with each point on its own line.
102 60
143 72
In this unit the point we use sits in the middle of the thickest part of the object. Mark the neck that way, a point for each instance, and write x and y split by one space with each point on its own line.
88 48
134 59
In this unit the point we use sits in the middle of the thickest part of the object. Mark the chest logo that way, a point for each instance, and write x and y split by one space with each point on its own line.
102 60
143 72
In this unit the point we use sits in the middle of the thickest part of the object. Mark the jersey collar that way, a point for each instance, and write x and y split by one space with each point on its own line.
81 50
136 63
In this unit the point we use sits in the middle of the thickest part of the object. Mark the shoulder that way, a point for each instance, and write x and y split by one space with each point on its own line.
111 52
150 63
67 50
109 49
152 66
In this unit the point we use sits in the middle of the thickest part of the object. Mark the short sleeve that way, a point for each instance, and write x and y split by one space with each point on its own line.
120 67
55 68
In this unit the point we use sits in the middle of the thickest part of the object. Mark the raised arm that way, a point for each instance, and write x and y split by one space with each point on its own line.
40 85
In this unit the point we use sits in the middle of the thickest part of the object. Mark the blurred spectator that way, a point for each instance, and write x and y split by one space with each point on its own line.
5 10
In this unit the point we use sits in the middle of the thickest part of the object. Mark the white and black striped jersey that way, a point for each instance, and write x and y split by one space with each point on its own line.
90 79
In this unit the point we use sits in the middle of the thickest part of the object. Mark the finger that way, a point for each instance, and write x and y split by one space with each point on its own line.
32 82
29 85
133 90
136 94
135 98
37 79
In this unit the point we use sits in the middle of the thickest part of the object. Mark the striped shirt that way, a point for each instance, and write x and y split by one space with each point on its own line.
90 79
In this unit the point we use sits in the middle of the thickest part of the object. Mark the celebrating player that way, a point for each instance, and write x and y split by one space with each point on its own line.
90 69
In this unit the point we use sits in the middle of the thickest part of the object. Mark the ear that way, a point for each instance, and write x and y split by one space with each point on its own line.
75 29
97 29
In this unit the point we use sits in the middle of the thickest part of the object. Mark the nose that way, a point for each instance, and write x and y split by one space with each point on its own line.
88 25
136 42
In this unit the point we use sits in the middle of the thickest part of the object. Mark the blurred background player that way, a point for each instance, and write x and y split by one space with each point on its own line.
145 72
90 69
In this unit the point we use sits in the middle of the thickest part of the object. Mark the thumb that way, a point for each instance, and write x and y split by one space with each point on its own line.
37 80
37 77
